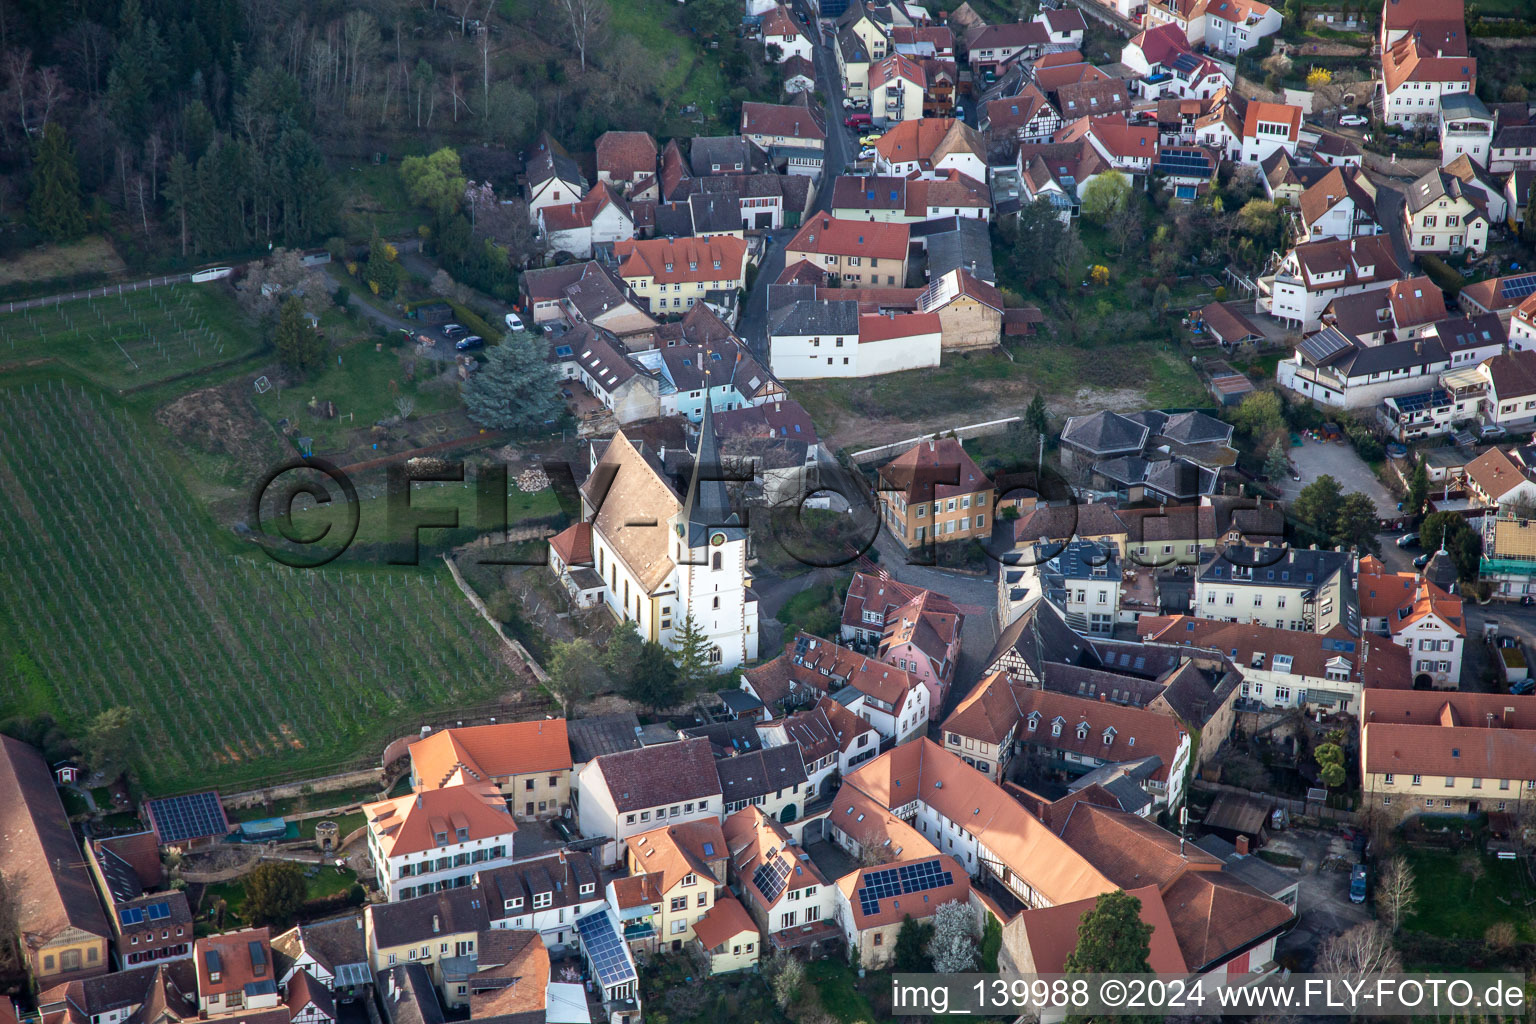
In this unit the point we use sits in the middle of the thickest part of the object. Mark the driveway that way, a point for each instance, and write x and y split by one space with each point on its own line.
1323 905
839 150
753 324
1316 458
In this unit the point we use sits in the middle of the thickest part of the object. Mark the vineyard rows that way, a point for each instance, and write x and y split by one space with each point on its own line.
130 339
117 595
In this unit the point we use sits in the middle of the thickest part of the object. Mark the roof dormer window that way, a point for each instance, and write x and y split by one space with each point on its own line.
1056 724
1082 730
1109 735
1034 720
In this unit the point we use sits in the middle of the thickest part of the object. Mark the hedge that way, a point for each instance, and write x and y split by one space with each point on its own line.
1441 273
476 324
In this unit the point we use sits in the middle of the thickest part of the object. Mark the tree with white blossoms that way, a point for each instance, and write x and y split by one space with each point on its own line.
953 946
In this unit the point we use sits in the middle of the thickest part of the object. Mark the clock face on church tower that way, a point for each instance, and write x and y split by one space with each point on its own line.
717 540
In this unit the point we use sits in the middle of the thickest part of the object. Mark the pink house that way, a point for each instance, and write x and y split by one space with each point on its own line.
914 629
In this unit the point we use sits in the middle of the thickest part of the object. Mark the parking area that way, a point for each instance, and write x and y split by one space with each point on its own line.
1316 458
1323 905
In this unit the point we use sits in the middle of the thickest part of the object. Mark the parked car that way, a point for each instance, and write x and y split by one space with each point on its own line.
473 341
1524 687
1355 120
1528 599
1423 560
453 330
867 154
1491 430
871 138
1408 540
514 322
1357 884
858 121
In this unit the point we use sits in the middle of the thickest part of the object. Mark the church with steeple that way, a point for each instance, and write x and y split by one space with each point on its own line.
664 545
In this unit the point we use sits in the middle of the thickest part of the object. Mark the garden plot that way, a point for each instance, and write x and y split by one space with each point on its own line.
133 339
242 671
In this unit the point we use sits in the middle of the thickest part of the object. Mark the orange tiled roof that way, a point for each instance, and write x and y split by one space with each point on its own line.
724 921
676 261
484 753
412 823
829 235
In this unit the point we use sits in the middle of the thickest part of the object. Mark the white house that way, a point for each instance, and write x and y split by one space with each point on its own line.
628 793
1439 216
1313 274
1282 588
897 85
1421 68
577 227
1417 615
553 177
832 739
930 146
782 29
1466 128
547 894
438 838
1341 205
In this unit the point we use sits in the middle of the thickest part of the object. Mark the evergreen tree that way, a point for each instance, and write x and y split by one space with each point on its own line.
1036 415
1039 242
1461 542
1356 522
1112 939
516 389
299 346
911 942
274 891
621 653
1418 489
694 668
653 679
178 193
1317 506
1277 464
55 205
575 672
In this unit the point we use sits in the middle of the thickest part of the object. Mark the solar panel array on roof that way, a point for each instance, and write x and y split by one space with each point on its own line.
1325 344
194 816
900 881
1422 400
1517 287
605 950
769 879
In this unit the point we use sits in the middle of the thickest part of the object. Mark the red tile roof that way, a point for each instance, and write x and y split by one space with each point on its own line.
790 120
940 468
895 66
626 155
412 823
928 140
828 235
724 921
237 953
1415 58
1052 933
668 773
484 753
1272 113
878 327
919 906
673 261
574 546
1456 735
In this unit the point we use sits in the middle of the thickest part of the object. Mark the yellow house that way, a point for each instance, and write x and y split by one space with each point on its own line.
728 935
857 19
853 60
427 930
673 274
530 762
686 865
1447 752
64 933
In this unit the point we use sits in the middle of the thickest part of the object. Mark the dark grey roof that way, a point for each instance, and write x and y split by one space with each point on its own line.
330 943
1459 333
559 875
1398 355
674 220
720 154
1436 185
408 996
731 737
1290 567
965 244
715 213
761 772
1515 135
550 161
1134 658
1104 433
707 504
1255 871
1463 104
602 734
1122 780
407 921
1180 478
1195 428
1040 636
818 316
1093 683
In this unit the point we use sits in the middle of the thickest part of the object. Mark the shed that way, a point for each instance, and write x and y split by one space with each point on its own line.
1229 326
1233 815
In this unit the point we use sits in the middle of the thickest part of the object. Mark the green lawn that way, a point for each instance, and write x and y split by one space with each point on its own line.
837 985
328 881
346 824
365 385
818 610
135 339
122 594
1452 906
376 200
74 803
987 385
297 804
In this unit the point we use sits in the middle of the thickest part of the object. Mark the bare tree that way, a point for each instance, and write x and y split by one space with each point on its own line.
154 152
1364 949
140 192
1395 893
587 19
18 70
405 405
51 91
1472 866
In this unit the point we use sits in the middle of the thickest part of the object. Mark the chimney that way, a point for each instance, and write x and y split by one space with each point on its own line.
1103 698
437 924
1242 845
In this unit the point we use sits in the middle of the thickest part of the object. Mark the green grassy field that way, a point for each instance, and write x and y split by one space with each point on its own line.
1453 906
135 339
328 881
119 593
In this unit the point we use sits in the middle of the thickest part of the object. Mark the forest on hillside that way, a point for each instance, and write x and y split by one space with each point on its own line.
213 128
